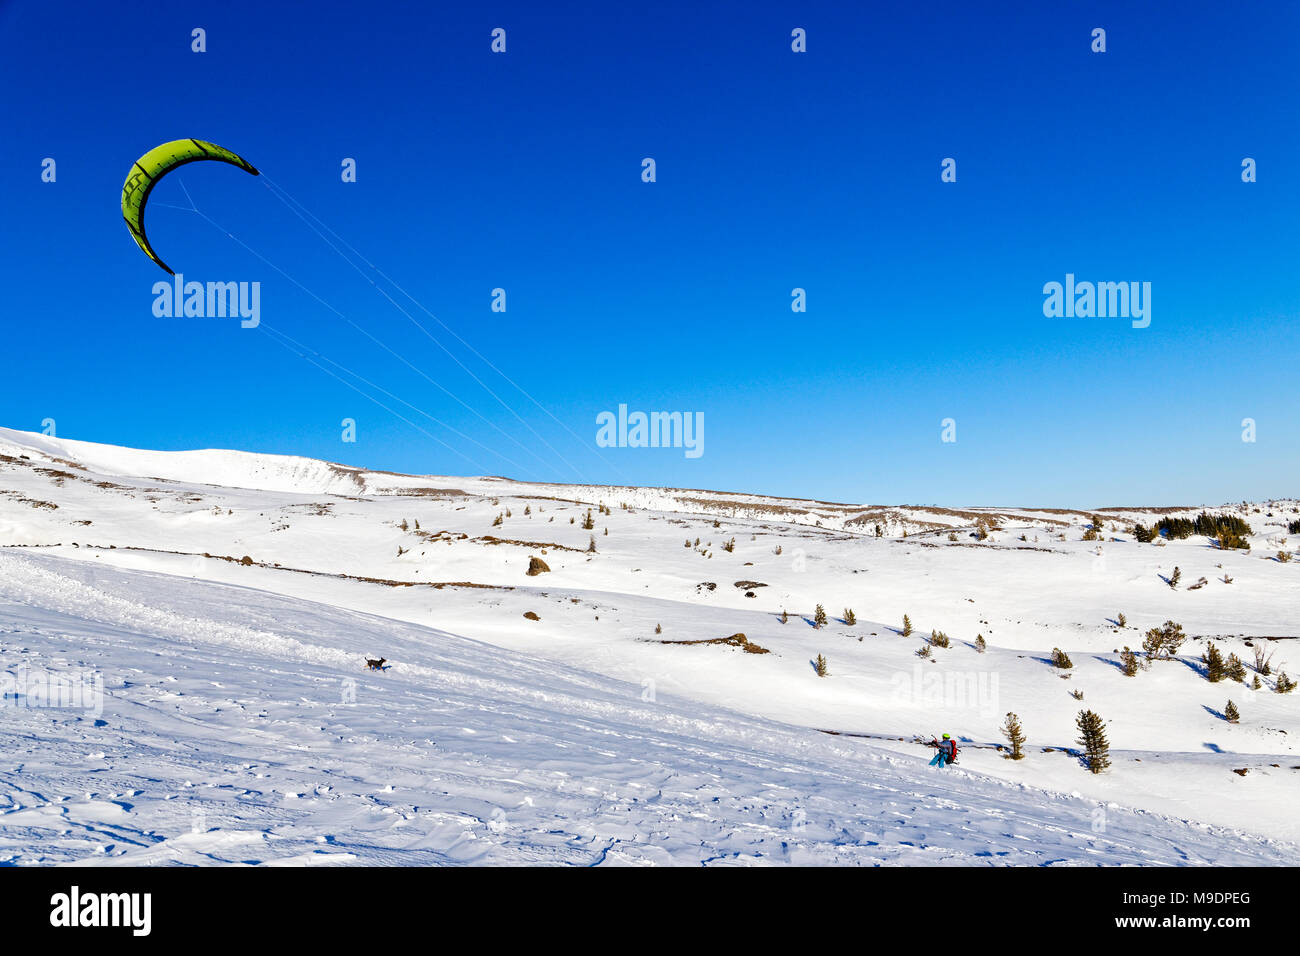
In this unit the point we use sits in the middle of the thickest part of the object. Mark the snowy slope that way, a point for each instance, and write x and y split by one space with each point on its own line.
227 735
341 546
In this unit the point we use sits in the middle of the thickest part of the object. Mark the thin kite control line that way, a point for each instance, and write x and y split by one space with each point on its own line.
450 394
277 190
397 355
379 403
380 388
301 351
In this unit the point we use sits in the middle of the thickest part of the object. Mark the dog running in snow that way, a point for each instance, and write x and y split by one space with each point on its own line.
376 665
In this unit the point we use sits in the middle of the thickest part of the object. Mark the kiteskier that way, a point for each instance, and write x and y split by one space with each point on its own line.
74 909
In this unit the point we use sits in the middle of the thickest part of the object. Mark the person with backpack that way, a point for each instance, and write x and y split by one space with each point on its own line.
947 751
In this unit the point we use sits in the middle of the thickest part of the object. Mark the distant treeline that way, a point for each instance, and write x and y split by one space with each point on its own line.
1229 529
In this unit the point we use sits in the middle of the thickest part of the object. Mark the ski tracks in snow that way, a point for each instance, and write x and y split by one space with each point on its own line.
238 727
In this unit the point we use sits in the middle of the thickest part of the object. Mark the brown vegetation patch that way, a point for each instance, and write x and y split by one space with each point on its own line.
548 545
735 640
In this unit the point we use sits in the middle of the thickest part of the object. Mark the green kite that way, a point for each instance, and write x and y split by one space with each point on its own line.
155 164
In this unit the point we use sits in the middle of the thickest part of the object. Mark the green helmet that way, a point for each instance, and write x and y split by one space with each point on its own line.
946 737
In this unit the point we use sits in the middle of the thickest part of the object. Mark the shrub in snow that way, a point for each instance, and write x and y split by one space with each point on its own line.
823 670
1015 734
1213 660
1061 659
1230 713
1092 737
1235 669
1163 642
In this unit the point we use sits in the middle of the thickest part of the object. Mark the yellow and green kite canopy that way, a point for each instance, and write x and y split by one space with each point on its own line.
155 164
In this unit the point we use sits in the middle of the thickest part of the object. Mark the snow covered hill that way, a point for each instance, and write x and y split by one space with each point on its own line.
225 602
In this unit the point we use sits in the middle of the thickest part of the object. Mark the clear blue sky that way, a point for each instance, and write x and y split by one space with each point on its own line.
775 170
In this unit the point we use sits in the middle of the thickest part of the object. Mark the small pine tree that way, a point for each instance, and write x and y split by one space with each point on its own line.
785 618
924 651
980 644
688 542
591 548
730 545
907 626
588 522
849 617
939 639
1077 694
1284 684
1121 620
1092 737
404 526
1163 642
1128 662
1213 660
497 520
819 616
1256 685
823 670
1061 659
1235 669
1015 734
659 628
1230 713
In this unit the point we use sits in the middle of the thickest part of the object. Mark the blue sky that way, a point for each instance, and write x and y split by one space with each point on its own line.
775 170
